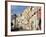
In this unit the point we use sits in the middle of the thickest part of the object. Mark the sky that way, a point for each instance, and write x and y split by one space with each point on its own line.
17 9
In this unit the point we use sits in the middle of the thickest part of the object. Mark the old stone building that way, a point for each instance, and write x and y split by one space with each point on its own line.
29 19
